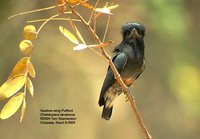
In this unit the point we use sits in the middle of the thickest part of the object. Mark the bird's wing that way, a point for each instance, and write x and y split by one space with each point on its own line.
143 67
119 61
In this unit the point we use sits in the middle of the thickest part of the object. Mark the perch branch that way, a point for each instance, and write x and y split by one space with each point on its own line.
116 74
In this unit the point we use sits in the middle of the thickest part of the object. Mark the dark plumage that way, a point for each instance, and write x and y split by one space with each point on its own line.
129 61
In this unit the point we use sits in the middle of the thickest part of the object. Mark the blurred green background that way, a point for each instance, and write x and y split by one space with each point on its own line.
167 93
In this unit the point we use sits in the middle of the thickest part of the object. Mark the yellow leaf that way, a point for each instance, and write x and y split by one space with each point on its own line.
26 47
79 34
106 5
63 7
11 86
30 32
80 47
20 67
73 1
31 70
68 34
30 86
86 5
113 7
12 106
23 110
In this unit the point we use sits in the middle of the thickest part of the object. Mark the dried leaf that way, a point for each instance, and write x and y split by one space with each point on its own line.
113 7
80 47
11 86
30 32
26 47
12 106
106 10
104 44
86 5
20 67
30 86
79 35
31 70
73 1
68 34
106 5
103 10
23 110
61 8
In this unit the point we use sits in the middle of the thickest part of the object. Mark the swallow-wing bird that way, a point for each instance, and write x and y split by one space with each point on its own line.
129 61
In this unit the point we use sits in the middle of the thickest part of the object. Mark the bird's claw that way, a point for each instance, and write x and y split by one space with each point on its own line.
129 93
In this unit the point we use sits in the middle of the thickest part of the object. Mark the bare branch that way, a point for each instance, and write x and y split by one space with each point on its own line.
46 22
93 11
116 74
37 10
106 30
54 19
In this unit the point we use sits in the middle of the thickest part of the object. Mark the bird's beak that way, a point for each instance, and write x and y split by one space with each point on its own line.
135 33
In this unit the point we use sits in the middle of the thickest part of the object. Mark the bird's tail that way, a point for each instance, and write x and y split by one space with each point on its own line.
107 112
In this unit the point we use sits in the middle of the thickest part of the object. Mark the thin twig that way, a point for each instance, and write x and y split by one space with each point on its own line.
106 30
95 23
55 19
72 25
116 74
107 25
46 22
93 12
37 10
137 114
92 49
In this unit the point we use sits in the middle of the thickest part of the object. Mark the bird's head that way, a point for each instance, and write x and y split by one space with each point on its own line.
133 31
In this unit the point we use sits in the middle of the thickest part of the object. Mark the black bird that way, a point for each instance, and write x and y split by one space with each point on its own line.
129 61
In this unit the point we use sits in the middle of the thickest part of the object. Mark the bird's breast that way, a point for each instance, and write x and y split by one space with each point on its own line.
134 66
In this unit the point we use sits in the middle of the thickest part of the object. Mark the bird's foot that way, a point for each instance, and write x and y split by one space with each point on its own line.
129 93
